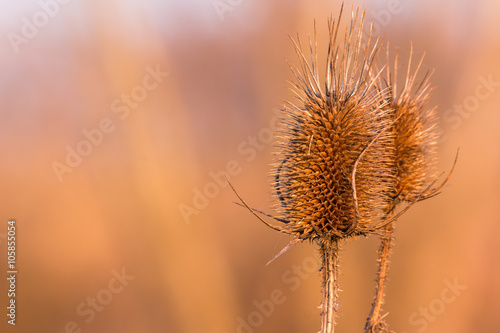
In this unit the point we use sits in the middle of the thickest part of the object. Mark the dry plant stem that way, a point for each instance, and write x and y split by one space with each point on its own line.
384 253
329 255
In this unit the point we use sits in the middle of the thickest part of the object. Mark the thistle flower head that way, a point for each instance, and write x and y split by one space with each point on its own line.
350 148
336 168
414 128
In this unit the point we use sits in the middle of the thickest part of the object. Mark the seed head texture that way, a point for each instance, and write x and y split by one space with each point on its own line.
336 169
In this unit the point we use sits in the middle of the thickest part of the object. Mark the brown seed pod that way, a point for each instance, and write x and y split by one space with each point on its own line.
415 142
349 151
336 169
414 128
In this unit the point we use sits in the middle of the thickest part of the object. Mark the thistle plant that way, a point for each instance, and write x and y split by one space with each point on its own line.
415 141
351 147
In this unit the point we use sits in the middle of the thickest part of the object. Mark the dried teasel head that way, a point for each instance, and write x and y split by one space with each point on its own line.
335 174
414 128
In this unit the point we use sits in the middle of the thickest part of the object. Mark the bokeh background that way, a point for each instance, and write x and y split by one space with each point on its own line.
120 209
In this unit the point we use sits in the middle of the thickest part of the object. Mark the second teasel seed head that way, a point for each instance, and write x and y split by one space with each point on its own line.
414 128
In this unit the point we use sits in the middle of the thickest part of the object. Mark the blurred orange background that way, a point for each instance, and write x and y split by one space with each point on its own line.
172 93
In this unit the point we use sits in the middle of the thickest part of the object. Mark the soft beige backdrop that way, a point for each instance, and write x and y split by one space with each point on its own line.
118 209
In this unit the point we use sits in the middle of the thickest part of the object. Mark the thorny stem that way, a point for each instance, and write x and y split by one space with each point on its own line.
374 321
329 306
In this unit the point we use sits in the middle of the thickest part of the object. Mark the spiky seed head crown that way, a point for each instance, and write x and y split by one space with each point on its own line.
336 168
414 128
